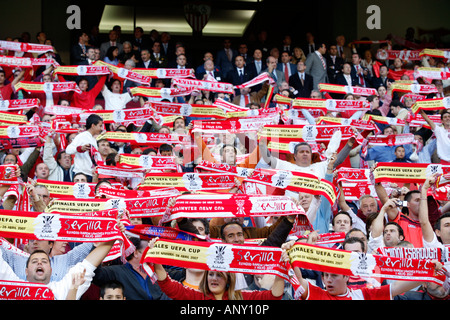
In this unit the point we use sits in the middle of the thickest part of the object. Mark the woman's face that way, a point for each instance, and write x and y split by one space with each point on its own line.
381 91
217 282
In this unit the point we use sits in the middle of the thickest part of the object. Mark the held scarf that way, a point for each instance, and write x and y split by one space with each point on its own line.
226 205
231 125
407 172
308 133
164 93
120 171
22 290
131 194
149 231
14 131
18 104
165 73
413 88
255 113
364 124
409 55
384 120
17 62
294 181
25 47
431 105
435 53
328 238
350 263
12 118
330 104
50 87
57 110
18 143
215 256
188 110
413 97
141 138
82 70
190 181
224 168
392 140
228 106
148 162
355 183
203 85
416 253
60 189
125 73
342 89
434 73
59 226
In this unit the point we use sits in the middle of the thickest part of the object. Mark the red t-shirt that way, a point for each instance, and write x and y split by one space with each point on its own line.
380 293
411 228
6 92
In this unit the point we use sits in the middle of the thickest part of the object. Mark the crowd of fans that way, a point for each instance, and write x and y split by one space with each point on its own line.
72 154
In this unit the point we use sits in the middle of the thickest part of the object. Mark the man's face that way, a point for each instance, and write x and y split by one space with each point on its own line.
80 179
335 284
91 54
356 59
44 194
2 78
323 49
115 87
65 161
413 204
181 60
383 71
10 159
395 110
234 234
166 153
113 294
97 128
113 36
126 48
400 153
138 33
333 50
285 57
209 65
272 63
315 95
257 54
346 69
39 269
342 223
43 245
42 171
368 206
229 155
444 232
388 131
104 148
239 62
156 47
179 124
391 236
145 55
303 156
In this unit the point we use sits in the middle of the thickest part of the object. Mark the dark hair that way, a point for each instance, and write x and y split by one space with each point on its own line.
80 174
228 145
344 213
148 150
202 220
36 251
93 119
173 125
222 228
110 51
97 186
111 284
298 145
352 240
401 233
397 103
165 147
409 194
437 224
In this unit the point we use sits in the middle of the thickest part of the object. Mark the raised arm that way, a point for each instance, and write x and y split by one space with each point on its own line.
266 154
427 229
428 120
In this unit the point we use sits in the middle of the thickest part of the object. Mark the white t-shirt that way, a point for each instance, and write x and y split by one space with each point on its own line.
115 101
442 142
82 161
